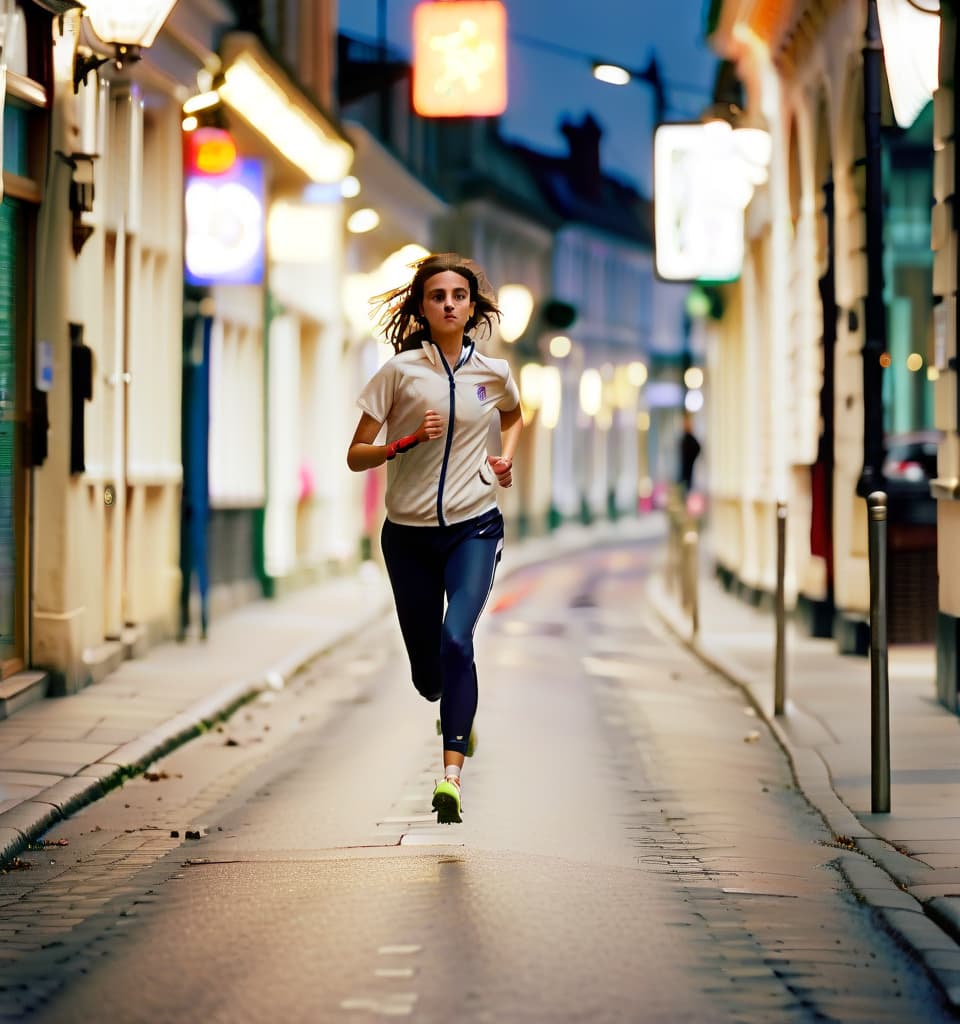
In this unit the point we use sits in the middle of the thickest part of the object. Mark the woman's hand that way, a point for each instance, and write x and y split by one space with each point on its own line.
503 468
431 428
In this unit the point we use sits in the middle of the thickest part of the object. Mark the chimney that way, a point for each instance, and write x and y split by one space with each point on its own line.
584 142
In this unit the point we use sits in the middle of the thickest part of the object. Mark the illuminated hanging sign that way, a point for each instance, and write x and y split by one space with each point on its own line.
701 189
225 220
911 55
210 151
460 58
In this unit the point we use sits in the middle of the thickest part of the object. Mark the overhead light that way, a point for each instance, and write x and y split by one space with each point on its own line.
560 346
531 385
612 74
693 401
693 378
637 373
202 101
350 187
362 221
516 306
551 399
262 101
591 392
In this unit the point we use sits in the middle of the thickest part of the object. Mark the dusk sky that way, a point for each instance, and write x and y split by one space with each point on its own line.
544 85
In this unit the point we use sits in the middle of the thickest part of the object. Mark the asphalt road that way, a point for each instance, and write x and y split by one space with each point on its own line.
633 850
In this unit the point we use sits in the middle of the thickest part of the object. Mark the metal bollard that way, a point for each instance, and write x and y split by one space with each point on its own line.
691 601
780 659
879 680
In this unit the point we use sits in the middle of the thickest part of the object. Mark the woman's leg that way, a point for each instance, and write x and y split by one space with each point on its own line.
468 579
416 577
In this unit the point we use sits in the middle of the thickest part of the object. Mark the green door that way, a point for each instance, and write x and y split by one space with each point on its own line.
12 478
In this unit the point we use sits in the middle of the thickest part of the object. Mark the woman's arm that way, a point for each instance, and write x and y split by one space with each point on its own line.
511 424
364 454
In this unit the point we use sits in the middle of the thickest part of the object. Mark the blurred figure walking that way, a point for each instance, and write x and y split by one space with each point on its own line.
689 452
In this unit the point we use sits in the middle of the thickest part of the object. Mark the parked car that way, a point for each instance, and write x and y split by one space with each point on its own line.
910 463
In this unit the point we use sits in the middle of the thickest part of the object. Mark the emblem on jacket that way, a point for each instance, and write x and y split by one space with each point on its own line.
481 392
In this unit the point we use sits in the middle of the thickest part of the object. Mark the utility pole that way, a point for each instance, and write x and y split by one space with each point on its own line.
875 326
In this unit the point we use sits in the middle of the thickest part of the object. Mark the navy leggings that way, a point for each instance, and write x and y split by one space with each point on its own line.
427 564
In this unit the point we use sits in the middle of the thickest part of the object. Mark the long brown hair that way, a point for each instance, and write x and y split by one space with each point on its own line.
398 314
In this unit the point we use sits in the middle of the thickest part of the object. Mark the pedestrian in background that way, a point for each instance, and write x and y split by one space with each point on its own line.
689 452
443 532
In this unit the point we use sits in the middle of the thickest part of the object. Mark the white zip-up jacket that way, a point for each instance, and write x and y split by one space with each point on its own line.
446 480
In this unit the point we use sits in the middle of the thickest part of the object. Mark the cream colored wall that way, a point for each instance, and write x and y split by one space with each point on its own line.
726 412
774 402
154 469
59 612
107 539
832 68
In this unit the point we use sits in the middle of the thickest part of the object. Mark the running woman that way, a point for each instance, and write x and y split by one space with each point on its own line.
443 532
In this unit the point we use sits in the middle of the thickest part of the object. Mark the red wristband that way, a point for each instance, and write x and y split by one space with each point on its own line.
403 444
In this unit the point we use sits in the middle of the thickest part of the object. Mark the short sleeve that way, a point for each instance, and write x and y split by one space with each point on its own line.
511 393
377 397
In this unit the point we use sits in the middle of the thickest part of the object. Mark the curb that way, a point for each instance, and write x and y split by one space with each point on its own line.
876 872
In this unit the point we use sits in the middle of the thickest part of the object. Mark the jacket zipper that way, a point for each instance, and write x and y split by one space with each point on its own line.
464 356
449 441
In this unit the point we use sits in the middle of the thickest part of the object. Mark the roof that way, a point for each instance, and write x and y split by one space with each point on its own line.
601 201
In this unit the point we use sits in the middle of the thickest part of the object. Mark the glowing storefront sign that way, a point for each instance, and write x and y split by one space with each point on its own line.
225 225
701 189
459 58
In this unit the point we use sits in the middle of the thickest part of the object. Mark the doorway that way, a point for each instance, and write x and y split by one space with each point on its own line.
14 380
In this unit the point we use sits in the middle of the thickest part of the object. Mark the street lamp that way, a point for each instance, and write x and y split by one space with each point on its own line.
617 74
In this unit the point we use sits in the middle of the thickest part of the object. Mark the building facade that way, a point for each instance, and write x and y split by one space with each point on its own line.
163 430
833 292
107 326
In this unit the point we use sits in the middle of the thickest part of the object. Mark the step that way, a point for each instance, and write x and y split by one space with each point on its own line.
21 689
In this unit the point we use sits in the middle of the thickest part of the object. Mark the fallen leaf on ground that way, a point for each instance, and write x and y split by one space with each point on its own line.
17 865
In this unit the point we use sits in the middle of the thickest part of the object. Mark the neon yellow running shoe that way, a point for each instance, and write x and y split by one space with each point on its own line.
471 739
446 802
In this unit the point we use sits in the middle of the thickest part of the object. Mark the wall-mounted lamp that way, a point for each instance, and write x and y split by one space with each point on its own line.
120 29
81 194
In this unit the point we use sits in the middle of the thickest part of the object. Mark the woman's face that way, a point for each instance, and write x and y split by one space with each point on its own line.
446 303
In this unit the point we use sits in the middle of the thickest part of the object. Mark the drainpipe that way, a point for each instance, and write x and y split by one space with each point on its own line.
875 327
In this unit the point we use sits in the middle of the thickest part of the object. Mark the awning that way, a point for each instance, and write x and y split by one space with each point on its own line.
278 115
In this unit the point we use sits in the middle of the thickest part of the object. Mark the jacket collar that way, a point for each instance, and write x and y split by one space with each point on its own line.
433 351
